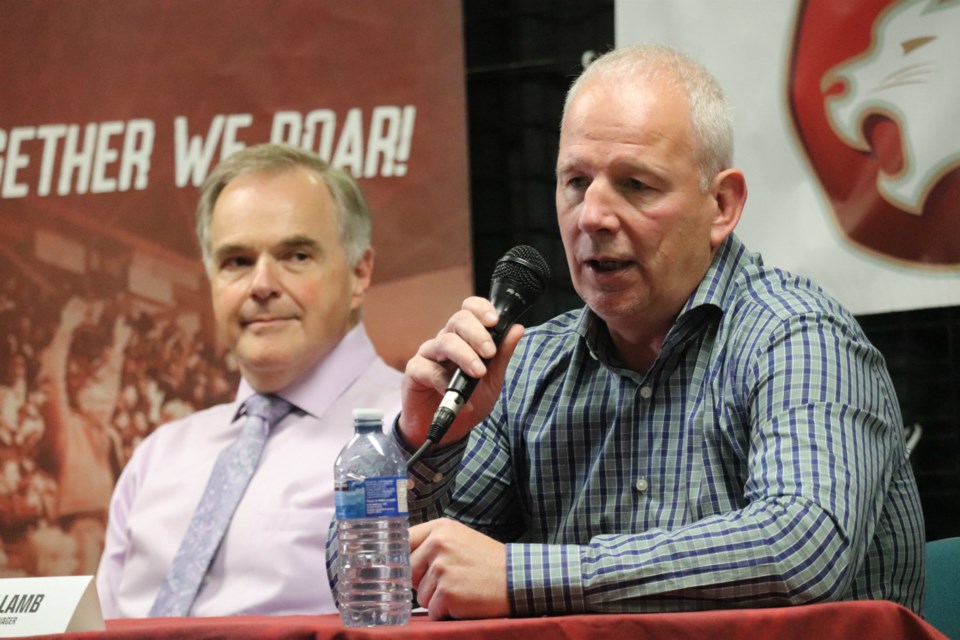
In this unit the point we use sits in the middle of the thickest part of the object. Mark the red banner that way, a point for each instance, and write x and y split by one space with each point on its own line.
111 115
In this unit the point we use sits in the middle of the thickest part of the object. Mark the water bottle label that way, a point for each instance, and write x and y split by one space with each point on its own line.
386 497
372 498
350 500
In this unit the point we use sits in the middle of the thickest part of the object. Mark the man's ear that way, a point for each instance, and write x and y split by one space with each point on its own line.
362 275
729 190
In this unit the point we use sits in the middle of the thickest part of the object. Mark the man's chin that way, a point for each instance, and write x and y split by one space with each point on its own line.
266 355
612 306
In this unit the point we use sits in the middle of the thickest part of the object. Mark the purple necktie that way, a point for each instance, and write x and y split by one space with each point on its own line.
228 481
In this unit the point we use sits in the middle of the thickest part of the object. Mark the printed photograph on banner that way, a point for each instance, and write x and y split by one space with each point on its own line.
106 325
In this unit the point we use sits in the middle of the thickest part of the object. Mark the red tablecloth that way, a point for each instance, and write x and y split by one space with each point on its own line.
847 620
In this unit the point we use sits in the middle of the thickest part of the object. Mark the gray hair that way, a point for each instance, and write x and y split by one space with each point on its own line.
710 113
353 214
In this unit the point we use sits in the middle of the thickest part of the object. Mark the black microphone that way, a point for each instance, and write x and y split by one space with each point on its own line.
519 278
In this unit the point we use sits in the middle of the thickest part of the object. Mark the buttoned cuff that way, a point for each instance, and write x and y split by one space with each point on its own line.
544 579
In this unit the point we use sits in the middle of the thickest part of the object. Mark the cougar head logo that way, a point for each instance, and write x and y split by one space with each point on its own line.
910 74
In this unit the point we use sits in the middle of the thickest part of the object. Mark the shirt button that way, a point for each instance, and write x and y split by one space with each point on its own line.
642 484
646 392
437 477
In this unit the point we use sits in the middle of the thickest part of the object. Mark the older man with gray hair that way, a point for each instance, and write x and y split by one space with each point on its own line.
706 432
226 511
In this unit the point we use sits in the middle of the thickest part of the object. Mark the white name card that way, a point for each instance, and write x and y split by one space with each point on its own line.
33 606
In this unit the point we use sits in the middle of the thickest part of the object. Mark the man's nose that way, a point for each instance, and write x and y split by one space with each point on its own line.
598 211
265 280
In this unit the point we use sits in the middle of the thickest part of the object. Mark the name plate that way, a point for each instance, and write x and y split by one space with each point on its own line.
34 606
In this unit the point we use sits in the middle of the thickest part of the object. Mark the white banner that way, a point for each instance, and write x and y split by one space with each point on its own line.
845 115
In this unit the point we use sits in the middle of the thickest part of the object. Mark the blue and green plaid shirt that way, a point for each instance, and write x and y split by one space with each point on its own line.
759 462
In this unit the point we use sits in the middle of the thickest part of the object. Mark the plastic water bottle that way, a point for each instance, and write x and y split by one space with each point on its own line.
373 579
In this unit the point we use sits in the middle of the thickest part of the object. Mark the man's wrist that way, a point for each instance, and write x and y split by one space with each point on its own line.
400 437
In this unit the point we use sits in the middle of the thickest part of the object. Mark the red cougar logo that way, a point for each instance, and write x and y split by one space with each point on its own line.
874 94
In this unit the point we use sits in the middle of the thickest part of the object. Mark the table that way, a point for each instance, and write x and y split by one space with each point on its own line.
828 621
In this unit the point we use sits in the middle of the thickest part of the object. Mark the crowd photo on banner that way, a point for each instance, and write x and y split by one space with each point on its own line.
83 379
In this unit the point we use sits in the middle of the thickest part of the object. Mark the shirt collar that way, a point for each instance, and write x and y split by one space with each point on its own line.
322 384
717 286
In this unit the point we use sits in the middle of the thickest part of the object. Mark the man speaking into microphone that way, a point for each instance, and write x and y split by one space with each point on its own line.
706 432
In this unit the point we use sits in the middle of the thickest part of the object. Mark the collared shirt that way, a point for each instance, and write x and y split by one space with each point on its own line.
271 561
760 461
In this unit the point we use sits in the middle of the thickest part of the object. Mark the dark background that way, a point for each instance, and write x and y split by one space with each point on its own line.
521 56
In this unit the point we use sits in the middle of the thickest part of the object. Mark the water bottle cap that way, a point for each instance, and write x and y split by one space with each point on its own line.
368 414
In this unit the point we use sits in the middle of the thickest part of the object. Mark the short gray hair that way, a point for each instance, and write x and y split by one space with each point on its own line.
353 214
710 113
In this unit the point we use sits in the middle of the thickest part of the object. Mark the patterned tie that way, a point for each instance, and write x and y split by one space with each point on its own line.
228 481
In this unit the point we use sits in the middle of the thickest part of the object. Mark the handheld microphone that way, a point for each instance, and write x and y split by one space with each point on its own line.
519 278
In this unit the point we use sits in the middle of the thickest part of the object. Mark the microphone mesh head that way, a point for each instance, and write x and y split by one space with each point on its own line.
524 267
